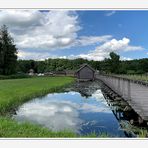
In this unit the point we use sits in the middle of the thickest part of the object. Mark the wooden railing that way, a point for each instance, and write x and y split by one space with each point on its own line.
121 86
135 93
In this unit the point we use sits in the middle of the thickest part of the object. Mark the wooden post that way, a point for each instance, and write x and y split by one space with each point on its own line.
119 85
129 89
123 87
115 85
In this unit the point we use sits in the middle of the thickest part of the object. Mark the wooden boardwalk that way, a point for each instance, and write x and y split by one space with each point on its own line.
134 93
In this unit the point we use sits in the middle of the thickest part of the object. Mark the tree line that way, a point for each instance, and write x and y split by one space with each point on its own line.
9 64
108 65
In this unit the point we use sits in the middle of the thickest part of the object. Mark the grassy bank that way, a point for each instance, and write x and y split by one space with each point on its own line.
15 76
11 128
14 92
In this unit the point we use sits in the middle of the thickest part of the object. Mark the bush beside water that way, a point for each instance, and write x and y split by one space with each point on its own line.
15 76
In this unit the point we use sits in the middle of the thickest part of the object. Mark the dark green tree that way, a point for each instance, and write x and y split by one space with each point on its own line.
8 52
1 56
114 62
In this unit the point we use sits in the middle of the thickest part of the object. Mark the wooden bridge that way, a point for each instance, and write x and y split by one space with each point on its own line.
135 93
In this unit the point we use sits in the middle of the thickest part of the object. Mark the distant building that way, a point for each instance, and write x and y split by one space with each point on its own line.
59 73
70 72
31 72
85 73
48 74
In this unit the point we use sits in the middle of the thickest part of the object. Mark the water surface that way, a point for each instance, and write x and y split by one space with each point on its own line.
82 108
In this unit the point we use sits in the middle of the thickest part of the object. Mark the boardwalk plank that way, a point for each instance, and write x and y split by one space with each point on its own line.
134 93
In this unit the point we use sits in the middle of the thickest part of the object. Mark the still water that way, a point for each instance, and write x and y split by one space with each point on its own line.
81 108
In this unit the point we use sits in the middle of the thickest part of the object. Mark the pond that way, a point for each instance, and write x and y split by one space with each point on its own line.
82 108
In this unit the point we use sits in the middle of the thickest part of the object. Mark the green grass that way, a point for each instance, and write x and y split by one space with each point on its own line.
15 76
136 77
94 135
14 92
11 128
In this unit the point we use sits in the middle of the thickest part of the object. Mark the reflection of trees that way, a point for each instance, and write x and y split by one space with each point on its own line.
86 89
84 94
124 114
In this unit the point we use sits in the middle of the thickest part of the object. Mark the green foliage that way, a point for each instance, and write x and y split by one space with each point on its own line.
14 76
94 135
8 52
25 65
50 65
114 62
17 91
108 65
138 132
130 72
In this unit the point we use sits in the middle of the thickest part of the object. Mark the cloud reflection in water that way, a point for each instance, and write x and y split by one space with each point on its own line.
53 115
61 111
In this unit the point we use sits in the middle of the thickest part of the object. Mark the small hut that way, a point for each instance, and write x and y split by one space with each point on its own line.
85 73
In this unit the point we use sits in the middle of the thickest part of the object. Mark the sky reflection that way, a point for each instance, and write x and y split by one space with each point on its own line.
69 110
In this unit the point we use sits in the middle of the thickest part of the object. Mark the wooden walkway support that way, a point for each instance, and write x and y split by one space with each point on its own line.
134 93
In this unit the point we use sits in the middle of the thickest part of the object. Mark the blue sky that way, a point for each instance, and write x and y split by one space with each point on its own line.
78 34
130 24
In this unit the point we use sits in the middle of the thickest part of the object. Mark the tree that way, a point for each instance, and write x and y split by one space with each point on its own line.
8 52
114 62
105 66
1 56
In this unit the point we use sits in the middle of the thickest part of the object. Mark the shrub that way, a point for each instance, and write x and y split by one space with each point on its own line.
15 76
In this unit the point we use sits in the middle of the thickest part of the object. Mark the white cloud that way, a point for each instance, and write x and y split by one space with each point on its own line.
20 19
126 58
36 34
26 55
102 51
110 13
64 42
114 45
34 29
89 40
